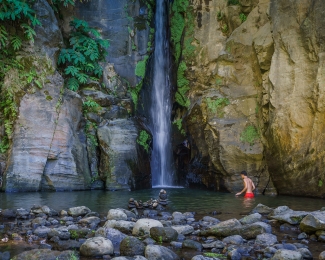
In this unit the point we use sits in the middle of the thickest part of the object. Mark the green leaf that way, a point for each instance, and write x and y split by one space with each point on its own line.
73 84
82 78
16 42
71 70
38 83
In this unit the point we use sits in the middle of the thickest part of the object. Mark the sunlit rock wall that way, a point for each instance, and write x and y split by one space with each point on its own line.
270 70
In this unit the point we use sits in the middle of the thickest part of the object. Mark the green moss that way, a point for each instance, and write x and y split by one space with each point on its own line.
144 140
140 69
182 86
243 17
320 183
178 123
233 2
249 135
216 106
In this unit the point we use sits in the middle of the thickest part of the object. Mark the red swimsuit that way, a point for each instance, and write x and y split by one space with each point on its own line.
249 195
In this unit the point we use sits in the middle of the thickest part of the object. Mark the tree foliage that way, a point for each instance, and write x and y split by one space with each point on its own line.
81 59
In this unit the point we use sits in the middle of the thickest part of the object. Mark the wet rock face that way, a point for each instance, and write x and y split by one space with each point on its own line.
123 23
260 77
297 112
48 144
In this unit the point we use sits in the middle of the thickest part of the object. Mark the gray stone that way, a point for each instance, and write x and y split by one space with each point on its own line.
160 253
283 254
306 254
287 215
302 235
321 256
99 97
48 254
136 257
211 219
262 209
61 232
266 239
5 255
41 231
235 240
234 255
215 244
112 234
177 245
313 222
131 246
121 225
97 246
256 217
183 229
163 234
116 214
78 211
188 243
143 226
92 221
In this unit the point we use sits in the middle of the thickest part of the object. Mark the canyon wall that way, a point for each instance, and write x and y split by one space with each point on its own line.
256 92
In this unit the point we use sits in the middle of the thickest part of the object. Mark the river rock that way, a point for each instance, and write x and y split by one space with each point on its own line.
42 231
131 246
320 235
250 231
251 218
97 246
224 228
321 256
142 226
112 234
37 254
116 214
78 211
262 209
91 221
183 229
136 257
8 213
160 253
313 222
283 254
191 244
287 215
234 255
235 240
121 225
61 232
163 234
22 213
266 239
211 219
39 221
215 244
5 255
306 254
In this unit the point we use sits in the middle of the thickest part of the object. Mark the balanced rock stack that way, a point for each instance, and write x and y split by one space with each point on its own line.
158 204
162 200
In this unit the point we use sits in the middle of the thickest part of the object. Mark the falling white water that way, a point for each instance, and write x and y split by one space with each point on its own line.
161 159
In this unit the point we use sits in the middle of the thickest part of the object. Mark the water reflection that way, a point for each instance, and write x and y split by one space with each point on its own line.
200 201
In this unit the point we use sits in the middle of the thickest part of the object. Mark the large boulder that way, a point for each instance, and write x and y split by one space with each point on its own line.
97 246
313 222
131 246
143 226
121 225
160 253
112 234
255 217
183 229
116 214
284 214
163 234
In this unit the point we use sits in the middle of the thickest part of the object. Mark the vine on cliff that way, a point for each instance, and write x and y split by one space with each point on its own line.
249 135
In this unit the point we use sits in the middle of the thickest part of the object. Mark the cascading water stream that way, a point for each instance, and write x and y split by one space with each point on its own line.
161 160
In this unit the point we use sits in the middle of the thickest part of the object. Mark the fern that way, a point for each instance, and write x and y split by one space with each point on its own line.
81 59
16 42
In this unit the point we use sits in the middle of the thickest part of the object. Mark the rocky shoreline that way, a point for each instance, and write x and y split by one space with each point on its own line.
79 233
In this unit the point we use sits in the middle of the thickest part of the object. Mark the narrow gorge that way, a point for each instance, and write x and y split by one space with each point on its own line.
189 93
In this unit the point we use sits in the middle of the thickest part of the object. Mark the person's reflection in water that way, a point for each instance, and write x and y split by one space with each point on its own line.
248 202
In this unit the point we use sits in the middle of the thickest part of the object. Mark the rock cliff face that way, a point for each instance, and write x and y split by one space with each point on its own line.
256 94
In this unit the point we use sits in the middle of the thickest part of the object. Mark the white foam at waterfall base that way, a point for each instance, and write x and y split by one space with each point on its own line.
167 187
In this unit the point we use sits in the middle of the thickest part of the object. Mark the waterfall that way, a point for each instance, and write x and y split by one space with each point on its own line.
161 159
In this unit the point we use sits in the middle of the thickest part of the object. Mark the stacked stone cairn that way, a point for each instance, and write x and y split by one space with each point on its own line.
158 204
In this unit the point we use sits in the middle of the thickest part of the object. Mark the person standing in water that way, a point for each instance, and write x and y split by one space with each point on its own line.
248 186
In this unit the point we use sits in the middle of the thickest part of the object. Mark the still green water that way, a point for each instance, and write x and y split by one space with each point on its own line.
199 201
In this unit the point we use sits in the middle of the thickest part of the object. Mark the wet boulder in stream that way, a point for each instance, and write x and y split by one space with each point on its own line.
163 234
313 222
97 246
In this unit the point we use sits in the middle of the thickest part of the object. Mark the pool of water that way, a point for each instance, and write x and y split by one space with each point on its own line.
180 199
